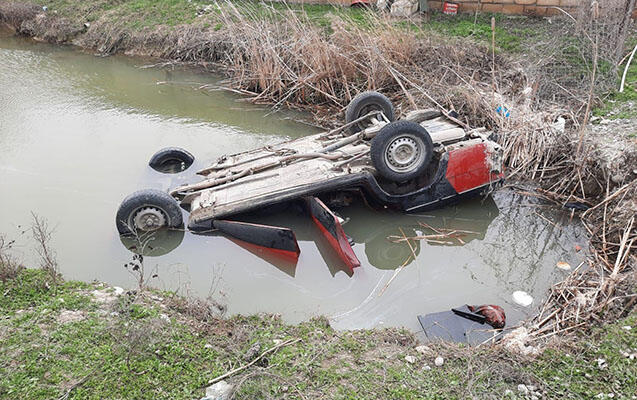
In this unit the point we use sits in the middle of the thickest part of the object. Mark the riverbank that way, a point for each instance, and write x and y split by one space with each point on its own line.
86 340
311 63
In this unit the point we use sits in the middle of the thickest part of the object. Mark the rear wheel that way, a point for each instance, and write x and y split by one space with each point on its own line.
148 210
402 150
171 160
363 104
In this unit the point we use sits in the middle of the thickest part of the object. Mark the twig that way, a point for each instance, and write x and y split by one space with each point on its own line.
621 87
75 385
268 351
393 276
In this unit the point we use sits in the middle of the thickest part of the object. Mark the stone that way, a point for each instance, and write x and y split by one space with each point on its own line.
627 327
423 349
207 346
118 290
523 389
404 8
508 393
426 368
219 391
410 359
601 363
439 361
382 5
515 341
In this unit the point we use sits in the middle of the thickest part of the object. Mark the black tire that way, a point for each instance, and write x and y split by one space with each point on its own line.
171 160
401 138
148 201
363 104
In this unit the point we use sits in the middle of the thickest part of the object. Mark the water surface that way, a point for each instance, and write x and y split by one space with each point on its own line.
76 132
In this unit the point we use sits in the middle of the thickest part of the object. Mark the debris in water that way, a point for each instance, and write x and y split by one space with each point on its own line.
522 298
564 266
494 314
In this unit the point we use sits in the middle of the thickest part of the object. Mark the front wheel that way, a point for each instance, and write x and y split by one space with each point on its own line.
401 151
148 210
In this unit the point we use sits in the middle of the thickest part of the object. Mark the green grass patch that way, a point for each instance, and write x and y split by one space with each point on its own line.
137 348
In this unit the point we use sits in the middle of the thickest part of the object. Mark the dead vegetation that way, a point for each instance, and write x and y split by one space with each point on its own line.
539 106
9 266
42 234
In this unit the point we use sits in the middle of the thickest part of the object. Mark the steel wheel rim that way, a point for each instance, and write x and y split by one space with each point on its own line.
148 218
405 153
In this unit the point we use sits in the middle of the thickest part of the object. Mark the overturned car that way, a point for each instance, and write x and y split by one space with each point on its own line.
423 161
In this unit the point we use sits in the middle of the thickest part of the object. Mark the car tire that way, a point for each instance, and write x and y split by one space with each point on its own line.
401 151
363 104
148 210
171 160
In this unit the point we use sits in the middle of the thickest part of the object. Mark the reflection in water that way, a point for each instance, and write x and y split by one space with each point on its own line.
155 243
76 134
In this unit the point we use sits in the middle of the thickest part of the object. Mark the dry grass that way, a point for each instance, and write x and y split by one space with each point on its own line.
9 266
278 57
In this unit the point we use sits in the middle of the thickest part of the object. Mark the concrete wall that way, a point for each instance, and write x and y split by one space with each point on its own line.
519 7
516 7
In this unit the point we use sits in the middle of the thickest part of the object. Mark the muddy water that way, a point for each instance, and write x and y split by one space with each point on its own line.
76 132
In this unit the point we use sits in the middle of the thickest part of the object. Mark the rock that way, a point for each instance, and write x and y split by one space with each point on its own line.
164 317
627 327
426 368
439 361
118 290
508 393
253 351
219 391
564 266
516 342
382 5
522 298
404 8
523 389
601 363
423 350
207 346
410 359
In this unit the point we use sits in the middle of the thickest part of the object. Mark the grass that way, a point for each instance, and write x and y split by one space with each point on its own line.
622 105
140 14
141 346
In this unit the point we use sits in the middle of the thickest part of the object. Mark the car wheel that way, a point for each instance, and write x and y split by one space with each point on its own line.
171 160
148 210
402 150
363 104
